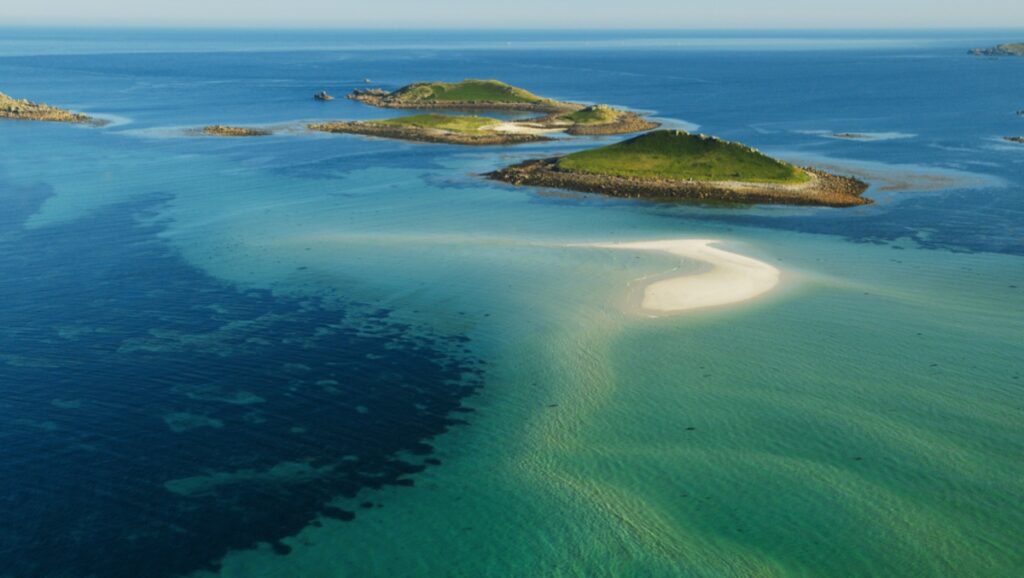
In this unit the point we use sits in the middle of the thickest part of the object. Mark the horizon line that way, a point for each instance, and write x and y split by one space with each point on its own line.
489 28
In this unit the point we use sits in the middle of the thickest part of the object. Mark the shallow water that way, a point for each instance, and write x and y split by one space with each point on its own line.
323 355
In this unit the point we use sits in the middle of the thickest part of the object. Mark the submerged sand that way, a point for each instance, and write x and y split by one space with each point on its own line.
732 278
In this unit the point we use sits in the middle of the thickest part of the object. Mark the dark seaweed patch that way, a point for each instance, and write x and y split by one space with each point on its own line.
152 418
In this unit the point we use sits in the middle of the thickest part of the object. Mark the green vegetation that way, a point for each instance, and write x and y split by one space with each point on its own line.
449 123
678 155
597 114
466 91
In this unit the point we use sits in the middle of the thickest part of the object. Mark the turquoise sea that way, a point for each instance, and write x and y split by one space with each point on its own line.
329 355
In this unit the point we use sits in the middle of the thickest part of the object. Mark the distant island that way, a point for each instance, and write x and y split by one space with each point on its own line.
1016 139
676 165
479 95
14 109
1016 49
222 130
438 128
468 94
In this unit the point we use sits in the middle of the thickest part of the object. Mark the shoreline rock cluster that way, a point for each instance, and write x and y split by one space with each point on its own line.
234 131
1016 139
425 134
825 189
23 109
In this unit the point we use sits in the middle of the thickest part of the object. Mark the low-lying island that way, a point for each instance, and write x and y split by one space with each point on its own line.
675 165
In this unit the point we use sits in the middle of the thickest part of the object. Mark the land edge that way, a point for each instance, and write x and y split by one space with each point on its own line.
824 189
429 135
510 132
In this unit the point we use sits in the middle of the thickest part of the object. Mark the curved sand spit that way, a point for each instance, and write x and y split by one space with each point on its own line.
732 278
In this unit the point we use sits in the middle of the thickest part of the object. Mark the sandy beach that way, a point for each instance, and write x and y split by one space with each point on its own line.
732 278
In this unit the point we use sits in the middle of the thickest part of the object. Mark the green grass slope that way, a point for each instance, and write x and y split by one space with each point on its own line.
681 156
450 123
466 91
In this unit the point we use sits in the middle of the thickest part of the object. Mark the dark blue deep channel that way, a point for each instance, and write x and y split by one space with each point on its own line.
154 418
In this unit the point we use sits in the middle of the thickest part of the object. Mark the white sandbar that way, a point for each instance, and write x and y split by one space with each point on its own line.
732 278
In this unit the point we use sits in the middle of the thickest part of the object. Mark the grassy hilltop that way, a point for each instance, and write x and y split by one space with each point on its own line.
466 91
466 94
677 155
667 165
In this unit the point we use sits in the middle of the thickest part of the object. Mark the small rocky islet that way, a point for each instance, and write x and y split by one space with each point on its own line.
1011 49
675 165
22 109
232 131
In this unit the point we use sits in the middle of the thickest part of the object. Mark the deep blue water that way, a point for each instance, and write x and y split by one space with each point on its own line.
121 359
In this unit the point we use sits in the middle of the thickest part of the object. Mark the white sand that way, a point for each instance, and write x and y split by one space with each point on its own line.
732 278
524 128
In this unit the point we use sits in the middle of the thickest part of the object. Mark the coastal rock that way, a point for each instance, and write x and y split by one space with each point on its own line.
1016 49
234 131
1016 139
15 109
322 96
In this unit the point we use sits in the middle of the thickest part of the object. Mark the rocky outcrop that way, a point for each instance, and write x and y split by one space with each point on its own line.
1016 139
430 135
824 189
1000 50
222 130
14 109
322 96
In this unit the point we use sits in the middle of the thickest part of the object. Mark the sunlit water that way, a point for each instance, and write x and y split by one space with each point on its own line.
322 355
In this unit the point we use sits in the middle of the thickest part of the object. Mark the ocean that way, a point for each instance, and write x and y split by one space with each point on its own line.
331 355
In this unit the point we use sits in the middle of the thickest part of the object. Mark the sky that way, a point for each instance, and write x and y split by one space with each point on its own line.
521 13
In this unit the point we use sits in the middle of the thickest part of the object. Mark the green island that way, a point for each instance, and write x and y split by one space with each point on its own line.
15 109
233 131
437 128
468 94
676 165
1015 49
560 117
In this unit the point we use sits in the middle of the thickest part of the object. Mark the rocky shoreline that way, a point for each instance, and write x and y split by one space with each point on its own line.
1000 50
384 99
425 134
825 189
15 109
233 131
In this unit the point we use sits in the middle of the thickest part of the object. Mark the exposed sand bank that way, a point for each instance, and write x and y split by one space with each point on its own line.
732 278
